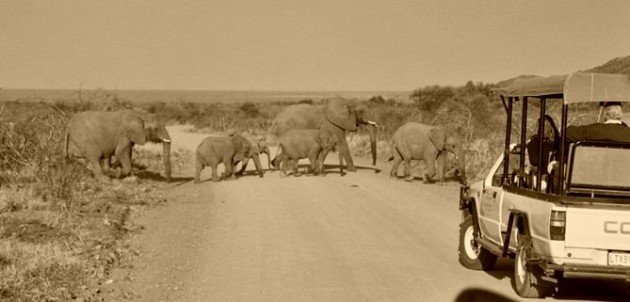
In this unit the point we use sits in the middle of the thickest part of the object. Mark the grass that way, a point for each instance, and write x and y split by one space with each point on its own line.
61 231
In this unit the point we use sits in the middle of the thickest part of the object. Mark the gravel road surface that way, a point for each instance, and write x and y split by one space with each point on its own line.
360 237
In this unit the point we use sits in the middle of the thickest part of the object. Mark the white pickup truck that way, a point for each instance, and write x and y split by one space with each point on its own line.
568 220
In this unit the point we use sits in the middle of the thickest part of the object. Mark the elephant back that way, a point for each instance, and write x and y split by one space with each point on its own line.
414 133
341 113
300 116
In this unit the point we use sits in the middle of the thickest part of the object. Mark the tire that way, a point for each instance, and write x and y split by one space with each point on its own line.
471 254
527 279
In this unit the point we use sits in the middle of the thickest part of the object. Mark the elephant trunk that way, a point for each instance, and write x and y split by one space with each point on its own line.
461 165
166 146
268 152
372 129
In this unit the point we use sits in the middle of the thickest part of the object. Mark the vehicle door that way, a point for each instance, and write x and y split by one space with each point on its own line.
490 204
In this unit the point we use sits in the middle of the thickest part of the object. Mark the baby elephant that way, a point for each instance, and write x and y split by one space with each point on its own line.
224 149
307 143
258 146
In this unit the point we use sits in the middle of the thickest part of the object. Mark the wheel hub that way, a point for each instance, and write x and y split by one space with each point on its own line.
470 244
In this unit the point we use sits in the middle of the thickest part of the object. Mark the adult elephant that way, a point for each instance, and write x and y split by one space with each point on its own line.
429 143
97 135
338 116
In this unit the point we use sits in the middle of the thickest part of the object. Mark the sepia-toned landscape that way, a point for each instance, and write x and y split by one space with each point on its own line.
270 193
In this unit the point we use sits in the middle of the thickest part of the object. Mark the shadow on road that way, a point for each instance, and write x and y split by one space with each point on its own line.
571 289
593 290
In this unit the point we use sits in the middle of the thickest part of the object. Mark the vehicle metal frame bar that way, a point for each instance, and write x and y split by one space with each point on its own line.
521 177
541 140
565 111
508 130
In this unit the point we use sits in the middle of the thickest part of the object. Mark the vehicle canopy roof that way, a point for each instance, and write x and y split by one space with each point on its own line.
579 87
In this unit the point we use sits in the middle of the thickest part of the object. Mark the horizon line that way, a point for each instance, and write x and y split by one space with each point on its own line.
214 90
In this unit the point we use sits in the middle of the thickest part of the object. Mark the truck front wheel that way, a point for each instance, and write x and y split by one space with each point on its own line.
527 278
471 254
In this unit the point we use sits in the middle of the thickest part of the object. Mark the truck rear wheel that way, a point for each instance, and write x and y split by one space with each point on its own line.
471 254
527 279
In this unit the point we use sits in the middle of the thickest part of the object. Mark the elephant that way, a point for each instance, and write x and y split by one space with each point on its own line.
258 146
307 143
227 149
338 116
98 135
429 143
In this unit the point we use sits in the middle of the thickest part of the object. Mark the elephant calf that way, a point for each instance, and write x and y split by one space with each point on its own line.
227 150
258 146
429 143
306 143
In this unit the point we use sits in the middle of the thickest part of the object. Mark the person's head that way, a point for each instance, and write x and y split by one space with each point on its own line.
551 132
612 111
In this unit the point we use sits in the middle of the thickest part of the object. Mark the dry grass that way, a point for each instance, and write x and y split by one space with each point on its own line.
61 231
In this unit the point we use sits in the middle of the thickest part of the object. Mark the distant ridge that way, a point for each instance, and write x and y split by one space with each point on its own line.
619 65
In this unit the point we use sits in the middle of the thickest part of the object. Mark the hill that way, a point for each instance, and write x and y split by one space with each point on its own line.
619 65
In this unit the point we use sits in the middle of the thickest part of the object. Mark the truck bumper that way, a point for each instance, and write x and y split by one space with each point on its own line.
590 272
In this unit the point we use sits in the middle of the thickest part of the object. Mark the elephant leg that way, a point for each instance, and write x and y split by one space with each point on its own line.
313 157
345 152
94 157
429 175
407 169
397 160
229 168
393 173
215 173
243 167
322 160
257 164
123 154
341 165
314 164
441 164
106 164
283 166
198 169
296 169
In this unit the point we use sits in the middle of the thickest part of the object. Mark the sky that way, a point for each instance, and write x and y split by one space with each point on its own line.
341 45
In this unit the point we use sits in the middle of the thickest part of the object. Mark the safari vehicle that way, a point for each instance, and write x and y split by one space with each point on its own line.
566 219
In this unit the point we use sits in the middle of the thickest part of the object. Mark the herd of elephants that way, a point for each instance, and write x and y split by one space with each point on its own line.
302 131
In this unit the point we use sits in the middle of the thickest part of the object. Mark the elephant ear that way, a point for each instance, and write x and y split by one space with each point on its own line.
342 114
134 130
437 137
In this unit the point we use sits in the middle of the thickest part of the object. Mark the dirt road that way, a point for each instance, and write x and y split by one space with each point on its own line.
361 237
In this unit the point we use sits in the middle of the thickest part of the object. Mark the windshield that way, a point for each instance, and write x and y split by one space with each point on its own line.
601 167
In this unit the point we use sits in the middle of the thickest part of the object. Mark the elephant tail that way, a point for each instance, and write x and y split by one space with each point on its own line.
393 148
274 162
394 152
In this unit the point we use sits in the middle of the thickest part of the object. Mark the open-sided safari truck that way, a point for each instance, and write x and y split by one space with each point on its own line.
560 208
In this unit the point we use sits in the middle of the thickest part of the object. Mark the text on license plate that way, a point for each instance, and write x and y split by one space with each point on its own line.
616 258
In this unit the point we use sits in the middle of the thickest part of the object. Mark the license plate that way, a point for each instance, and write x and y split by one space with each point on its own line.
618 259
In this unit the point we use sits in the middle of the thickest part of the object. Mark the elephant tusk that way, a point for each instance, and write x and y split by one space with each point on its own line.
372 123
166 140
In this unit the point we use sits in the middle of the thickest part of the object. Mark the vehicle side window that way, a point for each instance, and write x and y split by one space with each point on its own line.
513 172
496 178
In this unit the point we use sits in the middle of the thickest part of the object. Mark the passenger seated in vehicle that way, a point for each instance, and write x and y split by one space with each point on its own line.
550 145
612 130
